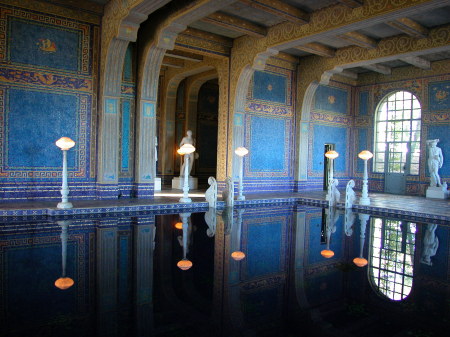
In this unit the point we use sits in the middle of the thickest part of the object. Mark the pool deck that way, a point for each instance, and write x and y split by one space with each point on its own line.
167 201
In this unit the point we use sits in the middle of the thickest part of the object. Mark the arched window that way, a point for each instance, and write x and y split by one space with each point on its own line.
391 257
397 134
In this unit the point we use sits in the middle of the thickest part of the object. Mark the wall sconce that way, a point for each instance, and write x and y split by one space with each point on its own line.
65 143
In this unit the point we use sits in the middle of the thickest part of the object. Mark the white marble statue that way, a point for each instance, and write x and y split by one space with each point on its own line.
211 221
188 139
211 193
334 194
348 221
228 193
430 244
350 195
435 162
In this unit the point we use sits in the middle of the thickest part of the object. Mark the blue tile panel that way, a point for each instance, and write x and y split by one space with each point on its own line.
439 96
331 99
362 145
269 87
44 46
35 120
267 145
324 134
126 115
363 103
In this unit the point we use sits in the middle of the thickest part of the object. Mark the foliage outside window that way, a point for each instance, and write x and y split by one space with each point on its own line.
391 257
397 129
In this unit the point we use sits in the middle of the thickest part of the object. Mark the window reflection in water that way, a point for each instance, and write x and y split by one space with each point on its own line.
392 257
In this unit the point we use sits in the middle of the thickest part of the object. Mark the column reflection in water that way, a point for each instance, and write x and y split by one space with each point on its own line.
185 263
144 246
332 217
107 252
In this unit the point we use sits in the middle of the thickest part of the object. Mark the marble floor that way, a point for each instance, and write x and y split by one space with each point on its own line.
168 200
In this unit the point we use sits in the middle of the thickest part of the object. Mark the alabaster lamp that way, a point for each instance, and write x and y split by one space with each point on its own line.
185 151
365 200
241 152
65 143
360 261
184 263
64 282
332 155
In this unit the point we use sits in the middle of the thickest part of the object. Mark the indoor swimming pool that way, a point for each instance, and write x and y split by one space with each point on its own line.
286 270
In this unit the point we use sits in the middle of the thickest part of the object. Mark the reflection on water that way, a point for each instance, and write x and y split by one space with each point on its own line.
280 271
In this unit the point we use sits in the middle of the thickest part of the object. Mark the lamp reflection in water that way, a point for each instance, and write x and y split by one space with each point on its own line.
237 254
332 217
65 143
332 155
185 151
361 261
241 152
185 264
365 200
64 282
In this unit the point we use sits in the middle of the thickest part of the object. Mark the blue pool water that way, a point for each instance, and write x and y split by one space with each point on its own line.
122 276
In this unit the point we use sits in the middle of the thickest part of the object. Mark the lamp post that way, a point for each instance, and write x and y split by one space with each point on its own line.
361 261
332 155
64 143
241 152
185 264
64 282
186 150
365 200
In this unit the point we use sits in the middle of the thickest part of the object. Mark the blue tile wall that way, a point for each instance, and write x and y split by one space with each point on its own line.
269 87
363 103
323 134
126 115
439 96
331 99
267 145
30 140
44 45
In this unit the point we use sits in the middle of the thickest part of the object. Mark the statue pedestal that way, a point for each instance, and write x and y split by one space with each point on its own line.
177 183
439 192
158 184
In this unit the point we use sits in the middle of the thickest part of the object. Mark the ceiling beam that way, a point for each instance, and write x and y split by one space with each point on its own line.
379 68
417 62
172 62
317 49
351 3
359 39
213 38
409 27
184 55
280 9
235 24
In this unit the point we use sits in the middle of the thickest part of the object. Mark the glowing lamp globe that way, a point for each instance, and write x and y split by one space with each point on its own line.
184 264
238 256
360 261
65 143
331 154
64 283
179 225
241 151
186 149
365 155
327 253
